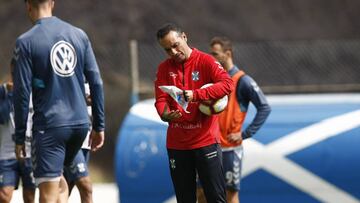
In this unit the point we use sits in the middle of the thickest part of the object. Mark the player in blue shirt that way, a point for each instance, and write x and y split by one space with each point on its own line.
12 170
247 91
51 60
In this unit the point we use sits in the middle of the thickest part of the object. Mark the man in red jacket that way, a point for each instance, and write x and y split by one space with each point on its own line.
192 137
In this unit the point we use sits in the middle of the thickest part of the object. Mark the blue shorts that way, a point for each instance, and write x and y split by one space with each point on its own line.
78 167
53 148
232 163
11 171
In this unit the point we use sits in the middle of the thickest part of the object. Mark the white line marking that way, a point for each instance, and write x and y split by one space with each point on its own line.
272 157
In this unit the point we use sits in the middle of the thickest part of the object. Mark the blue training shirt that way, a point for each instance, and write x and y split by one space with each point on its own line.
51 60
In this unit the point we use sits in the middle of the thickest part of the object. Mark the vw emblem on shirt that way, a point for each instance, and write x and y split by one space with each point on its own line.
63 59
195 75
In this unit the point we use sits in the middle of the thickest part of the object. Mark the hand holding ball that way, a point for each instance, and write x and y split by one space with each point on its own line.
211 107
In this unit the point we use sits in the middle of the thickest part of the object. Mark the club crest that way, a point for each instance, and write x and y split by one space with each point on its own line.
172 164
195 75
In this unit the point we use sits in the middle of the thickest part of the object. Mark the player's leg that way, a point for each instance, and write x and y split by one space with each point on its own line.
48 154
84 186
52 190
183 175
199 191
49 190
72 151
84 183
28 180
6 194
52 149
73 146
200 195
210 171
74 143
232 162
232 196
8 179
77 173
68 175
29 195
64 191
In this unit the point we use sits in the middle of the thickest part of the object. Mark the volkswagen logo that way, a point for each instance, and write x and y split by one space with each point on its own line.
63 59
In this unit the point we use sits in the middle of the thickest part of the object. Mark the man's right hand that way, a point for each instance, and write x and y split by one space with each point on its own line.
9 86
96 140
20 152
168 116
88 100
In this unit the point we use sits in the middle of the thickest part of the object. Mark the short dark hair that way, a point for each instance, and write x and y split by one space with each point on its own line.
37 2
223 41
166 28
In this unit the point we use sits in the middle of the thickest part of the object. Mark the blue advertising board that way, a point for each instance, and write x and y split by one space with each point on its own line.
307 151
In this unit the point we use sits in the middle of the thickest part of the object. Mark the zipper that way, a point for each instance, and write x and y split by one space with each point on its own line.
183 79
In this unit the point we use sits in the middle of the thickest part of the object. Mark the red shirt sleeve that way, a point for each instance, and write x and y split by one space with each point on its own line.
161 98
222 83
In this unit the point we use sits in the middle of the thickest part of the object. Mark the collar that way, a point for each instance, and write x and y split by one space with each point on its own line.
43 20
193 52
192 55
233 71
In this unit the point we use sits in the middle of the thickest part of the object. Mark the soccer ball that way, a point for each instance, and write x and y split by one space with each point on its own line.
211 107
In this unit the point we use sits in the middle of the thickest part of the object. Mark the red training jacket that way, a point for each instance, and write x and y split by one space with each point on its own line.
195 129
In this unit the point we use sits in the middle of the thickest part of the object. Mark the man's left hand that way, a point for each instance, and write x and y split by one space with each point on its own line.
234 138
188 95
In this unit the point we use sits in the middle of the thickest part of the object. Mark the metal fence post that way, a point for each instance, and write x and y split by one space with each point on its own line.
134 65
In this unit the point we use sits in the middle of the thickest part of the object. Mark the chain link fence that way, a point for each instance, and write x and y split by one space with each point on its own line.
281 66
278 66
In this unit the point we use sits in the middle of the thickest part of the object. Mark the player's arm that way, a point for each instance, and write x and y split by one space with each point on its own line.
222 83
248 90
92 74
21 92
162 99
4 106
5 88
3 91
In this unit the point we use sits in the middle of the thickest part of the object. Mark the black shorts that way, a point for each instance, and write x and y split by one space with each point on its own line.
207 162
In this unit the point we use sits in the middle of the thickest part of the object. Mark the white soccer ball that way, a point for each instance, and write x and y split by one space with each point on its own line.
211 107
